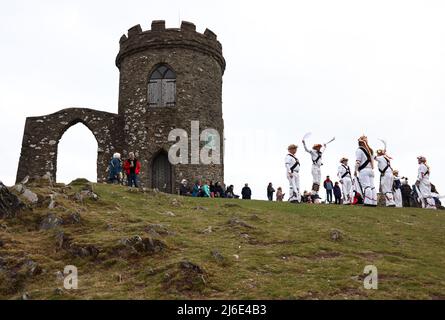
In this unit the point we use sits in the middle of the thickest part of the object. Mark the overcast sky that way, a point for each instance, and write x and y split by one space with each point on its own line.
334 68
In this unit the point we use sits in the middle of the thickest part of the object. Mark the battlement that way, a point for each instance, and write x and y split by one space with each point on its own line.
160 37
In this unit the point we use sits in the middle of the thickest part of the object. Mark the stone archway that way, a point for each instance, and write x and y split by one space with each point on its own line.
162 173
42 135
77 154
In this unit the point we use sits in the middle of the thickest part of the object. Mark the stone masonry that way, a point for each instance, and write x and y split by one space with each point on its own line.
198 64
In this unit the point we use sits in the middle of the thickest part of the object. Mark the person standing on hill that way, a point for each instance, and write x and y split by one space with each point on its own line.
424 185
132 168
280 194
246 193
115 169
316 156
406 193
397 189
270 192
344 174
292 171
364 172
329 186
337 193
386 177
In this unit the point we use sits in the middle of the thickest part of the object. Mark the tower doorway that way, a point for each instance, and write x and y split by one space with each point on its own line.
162 173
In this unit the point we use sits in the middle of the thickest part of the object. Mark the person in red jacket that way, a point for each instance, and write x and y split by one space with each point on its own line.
132 168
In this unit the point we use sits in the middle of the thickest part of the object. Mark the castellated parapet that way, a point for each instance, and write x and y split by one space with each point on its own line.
169 77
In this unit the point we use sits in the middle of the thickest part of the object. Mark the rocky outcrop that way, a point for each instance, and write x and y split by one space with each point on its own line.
10 204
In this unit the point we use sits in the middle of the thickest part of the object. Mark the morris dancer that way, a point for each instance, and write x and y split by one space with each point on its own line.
364 171
386 177
397 189
316 155
292 171
344 174
424 185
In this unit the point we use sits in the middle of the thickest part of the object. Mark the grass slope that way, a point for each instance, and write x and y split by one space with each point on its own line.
270 250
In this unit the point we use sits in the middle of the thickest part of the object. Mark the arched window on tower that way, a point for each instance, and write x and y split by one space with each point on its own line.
162 87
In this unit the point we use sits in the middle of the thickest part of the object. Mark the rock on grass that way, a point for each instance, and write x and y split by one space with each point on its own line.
237 222
336 235
186 276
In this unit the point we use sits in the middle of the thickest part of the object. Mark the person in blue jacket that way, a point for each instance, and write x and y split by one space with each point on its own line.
115 169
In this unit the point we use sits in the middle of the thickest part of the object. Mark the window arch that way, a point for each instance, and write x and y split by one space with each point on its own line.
162 87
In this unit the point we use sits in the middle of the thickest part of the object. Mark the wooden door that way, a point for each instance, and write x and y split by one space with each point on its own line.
162 174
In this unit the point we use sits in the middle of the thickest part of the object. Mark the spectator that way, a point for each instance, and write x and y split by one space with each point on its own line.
337 193
246 193
184 189
115 169
270 192
196 191
212 189
307 197
230 193
436 196
315 198
406 193
358 199
280 194
329 186
132 168
206 190
219 190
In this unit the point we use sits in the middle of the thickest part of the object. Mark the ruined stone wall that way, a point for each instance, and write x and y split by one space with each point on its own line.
42 135
199 66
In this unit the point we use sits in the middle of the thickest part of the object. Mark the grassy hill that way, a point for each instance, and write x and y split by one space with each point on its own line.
131 244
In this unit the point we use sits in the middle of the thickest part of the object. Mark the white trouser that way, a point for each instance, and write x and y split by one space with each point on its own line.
348 193
294 186
316 174
398 198
386 184
366 177
425 193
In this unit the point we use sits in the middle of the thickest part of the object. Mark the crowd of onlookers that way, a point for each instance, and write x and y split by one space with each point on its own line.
128 172
209 189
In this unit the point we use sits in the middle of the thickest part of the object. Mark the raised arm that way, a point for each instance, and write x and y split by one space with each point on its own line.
357 162
305 147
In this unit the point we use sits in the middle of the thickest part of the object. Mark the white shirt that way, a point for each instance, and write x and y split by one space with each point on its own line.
423 170
382 163
361 158
342 171
290 162
315 155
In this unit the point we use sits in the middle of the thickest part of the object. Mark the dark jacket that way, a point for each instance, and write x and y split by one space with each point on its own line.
337 191
246 193
115 168
406 190
219 191
184 190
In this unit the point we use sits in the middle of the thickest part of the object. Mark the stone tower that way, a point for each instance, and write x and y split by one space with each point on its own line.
168 78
